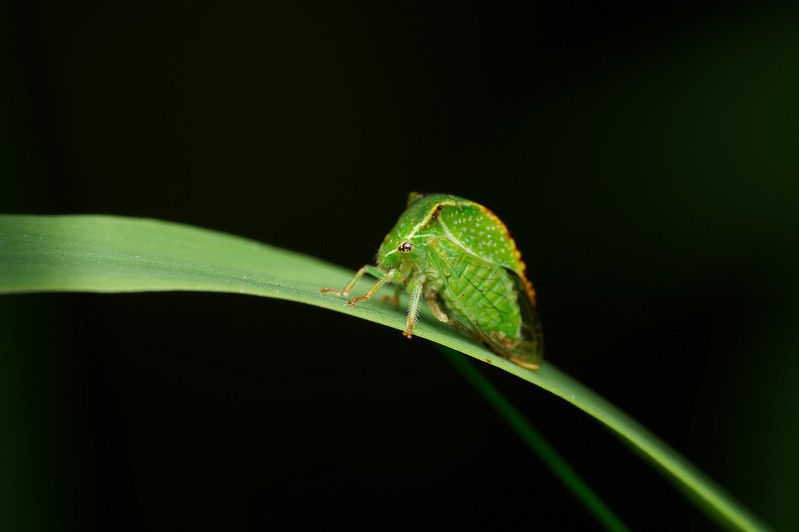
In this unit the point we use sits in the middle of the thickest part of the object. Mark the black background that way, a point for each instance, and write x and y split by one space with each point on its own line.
643 156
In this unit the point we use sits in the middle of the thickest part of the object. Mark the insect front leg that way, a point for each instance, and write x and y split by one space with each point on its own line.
374 271
416 289
383 278
394 300
388 276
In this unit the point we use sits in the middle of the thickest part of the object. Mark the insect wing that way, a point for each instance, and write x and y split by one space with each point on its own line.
529 352
490 301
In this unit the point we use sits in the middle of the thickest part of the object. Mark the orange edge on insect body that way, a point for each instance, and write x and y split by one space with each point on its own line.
523 273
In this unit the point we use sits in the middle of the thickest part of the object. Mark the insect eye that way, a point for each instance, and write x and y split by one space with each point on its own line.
405 247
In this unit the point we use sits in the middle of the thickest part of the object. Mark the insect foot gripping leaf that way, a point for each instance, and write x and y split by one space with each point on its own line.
459 257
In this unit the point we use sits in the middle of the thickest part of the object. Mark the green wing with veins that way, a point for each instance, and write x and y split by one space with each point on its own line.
489 301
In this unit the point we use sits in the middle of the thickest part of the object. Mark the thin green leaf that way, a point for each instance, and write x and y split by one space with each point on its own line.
537 443
115 254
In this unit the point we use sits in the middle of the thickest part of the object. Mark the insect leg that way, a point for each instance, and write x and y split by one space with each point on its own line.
371 270
386 277
431 295
417 289
394 300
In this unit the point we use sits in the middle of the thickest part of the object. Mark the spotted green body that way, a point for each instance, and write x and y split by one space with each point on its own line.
459 257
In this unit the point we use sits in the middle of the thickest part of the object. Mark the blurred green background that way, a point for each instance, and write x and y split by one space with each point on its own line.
644 157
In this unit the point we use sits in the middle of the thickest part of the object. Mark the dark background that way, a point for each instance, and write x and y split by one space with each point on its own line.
644 156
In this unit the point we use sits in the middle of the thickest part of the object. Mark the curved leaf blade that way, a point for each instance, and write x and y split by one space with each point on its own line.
96 253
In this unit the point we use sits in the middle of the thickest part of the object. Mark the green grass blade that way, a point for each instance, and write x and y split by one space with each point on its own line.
537 443
116 254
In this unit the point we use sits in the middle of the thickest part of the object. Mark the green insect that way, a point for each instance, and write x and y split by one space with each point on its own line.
460 258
